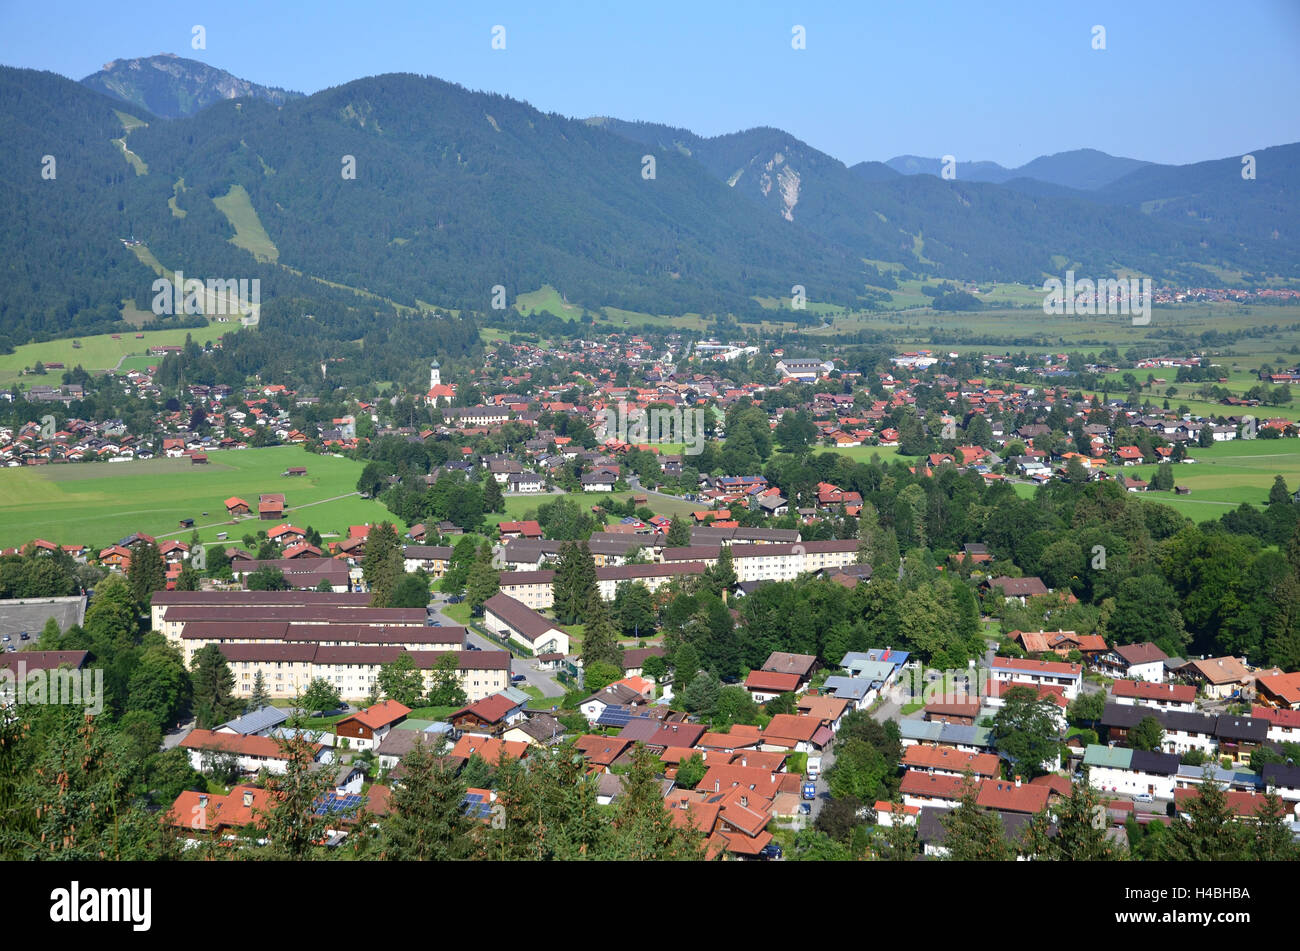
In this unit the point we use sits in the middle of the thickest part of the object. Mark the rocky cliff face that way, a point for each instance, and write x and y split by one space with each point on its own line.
172 87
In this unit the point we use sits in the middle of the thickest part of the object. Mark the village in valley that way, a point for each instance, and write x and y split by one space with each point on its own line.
647 435
834 625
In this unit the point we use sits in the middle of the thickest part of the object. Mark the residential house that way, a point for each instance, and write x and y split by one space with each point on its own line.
367 729
1144 661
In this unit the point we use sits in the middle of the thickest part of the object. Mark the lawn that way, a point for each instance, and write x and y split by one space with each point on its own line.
433 714
864 453
518 507
460 613
98 503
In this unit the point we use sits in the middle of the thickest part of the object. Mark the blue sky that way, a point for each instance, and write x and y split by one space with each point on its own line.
1178 81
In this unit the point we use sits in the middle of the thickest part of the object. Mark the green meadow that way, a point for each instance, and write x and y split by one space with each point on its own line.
100 352
98 503
519 507
249 233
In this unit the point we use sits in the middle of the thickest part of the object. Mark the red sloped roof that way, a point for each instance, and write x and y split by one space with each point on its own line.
380 715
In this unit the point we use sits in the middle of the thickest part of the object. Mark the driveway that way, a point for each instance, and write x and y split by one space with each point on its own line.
823 789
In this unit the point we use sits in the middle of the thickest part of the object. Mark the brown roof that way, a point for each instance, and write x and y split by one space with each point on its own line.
602 750
491 709
519 616
1221 670
43 660
1145 653
1146 690
1019 587
964 708
788 726
782 662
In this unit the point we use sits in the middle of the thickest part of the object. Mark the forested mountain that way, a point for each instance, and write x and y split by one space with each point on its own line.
170 87
1086 169
62 264
968 227
1083 169
456 192
1258 213
966 171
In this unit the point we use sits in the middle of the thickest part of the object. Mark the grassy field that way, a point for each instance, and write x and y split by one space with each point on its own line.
137 163
249 233
98 503
1227 474
100 352
1028 328
1223 476
864 453
546 298
177 210
518 507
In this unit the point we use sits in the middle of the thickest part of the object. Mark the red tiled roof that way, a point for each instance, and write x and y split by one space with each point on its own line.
1282 718
1146 690
488 747
380 715
935 785
769 681
788 726
490 709
1005 795
262 746
921 756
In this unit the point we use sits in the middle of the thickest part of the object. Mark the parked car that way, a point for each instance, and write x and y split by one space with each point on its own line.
23 636
805 809
771 851
1144 797
6 638
518 679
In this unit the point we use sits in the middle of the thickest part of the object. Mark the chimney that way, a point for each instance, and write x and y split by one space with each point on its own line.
1017 782
744 761
717 785
248 799
203 800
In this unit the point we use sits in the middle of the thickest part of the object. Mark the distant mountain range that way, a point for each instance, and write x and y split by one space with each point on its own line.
171 87
456 192
1082 169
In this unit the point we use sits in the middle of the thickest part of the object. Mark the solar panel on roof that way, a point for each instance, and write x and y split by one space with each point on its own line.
332 804
614 716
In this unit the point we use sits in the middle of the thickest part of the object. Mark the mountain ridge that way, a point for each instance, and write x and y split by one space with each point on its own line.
456 192
173 87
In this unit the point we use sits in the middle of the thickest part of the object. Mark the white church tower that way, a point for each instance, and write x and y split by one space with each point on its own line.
435 375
